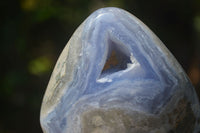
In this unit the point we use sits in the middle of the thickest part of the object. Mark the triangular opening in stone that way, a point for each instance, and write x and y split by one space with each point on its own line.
118 58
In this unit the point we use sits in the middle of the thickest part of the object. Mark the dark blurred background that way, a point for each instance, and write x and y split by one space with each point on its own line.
34 32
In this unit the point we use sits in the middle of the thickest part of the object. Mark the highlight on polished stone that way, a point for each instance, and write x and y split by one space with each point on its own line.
116 76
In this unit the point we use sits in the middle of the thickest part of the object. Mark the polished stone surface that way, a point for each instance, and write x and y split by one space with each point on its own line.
116 76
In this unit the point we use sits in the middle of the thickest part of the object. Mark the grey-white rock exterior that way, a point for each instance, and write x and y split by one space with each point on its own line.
144 90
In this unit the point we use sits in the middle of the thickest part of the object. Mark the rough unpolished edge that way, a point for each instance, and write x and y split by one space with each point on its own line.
116 120
62 75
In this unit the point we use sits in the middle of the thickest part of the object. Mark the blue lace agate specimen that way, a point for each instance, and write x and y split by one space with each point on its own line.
116 76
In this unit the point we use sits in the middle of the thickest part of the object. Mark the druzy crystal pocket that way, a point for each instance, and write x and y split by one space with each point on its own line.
116 76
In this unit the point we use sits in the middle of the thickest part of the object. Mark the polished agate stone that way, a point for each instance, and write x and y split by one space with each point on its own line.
116 76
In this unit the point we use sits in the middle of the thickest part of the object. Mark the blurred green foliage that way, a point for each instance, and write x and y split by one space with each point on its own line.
39 66
34 32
